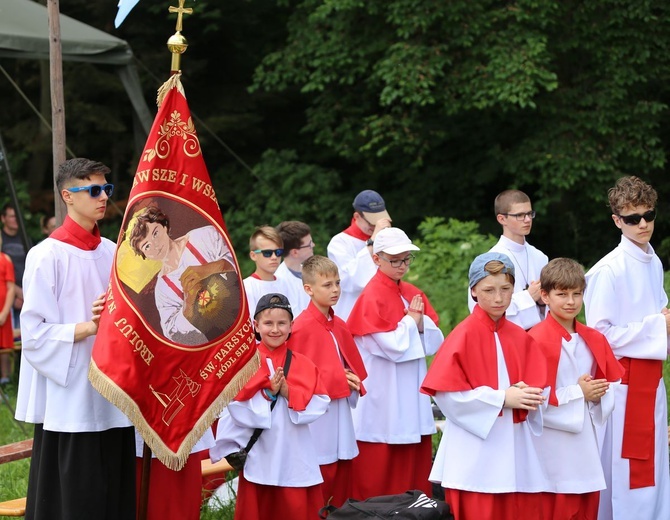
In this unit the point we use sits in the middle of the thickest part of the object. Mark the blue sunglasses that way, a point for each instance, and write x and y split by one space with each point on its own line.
94 190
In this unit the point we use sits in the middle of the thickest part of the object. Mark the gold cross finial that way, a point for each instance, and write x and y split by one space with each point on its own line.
181 11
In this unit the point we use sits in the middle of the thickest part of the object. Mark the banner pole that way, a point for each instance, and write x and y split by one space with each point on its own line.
144 483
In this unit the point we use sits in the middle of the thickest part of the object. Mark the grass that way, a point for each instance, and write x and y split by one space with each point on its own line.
14 475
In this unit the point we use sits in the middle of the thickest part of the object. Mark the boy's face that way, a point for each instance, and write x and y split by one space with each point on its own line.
325 291
383 261
639 234
493 294
274 326
305 251
512 227
564 304
266 265
156 244
363 224
81 206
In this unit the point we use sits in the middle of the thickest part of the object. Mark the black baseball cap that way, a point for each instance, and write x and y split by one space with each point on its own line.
273 301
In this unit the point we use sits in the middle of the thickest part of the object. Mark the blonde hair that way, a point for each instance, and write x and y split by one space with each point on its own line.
267 232
495 267
318 265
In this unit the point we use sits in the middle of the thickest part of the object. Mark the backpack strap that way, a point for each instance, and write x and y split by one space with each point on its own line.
258 431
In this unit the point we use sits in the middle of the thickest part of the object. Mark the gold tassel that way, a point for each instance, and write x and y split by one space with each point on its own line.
175 461
171 83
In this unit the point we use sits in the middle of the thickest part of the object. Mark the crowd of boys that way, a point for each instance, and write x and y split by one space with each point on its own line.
545 418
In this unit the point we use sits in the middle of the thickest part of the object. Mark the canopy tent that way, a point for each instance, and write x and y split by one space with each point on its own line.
24 33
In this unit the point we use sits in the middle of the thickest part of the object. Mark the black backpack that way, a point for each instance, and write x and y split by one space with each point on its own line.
411 505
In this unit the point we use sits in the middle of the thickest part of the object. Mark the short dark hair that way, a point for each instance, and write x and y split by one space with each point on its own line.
79 168
563 274
150 215
631 191
504 201
292 232
6 206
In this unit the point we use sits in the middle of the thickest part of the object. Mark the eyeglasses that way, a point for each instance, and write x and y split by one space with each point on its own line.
635 218
397 263
366 220
521 216
267 253
94 190
311 244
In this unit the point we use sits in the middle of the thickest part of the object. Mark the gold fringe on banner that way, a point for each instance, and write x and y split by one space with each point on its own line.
171 83
175 461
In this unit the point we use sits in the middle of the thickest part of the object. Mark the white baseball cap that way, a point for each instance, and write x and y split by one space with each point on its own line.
392 241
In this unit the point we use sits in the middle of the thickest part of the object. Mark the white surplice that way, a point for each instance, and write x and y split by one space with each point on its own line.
60 284
356 268
284 454
568 446
623 300
393 411
483 451
293 286
255 289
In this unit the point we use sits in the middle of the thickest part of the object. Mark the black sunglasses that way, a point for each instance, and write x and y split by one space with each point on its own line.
635 218
267 253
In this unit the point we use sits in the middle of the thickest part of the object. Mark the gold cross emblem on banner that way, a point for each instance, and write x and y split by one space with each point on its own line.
181 11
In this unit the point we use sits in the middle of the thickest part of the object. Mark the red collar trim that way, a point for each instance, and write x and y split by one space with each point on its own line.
75 235
354 231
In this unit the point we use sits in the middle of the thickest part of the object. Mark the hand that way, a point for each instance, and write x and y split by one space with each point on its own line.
382 223
666 313
353 380
415 311
593 389
534 290
97 307
278 383
3 318
194 274
527 398
276 380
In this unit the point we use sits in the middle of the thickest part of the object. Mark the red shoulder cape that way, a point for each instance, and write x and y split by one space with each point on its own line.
354 231
467 358
549 335
303 377
311 337
379 307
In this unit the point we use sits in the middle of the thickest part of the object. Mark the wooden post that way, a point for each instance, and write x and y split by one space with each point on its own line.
143 506
57 101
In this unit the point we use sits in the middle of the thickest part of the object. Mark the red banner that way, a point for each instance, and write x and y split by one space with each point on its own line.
175 343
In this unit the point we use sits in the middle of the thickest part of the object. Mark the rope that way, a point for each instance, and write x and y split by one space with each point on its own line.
32 106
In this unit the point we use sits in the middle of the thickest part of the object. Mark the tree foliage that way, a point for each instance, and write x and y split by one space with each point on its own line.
442 265
437 105
469 98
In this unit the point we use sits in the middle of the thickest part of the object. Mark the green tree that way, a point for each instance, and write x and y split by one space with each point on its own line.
441 269
469 98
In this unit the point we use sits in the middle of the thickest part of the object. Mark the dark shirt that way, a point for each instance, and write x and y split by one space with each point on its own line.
13 246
